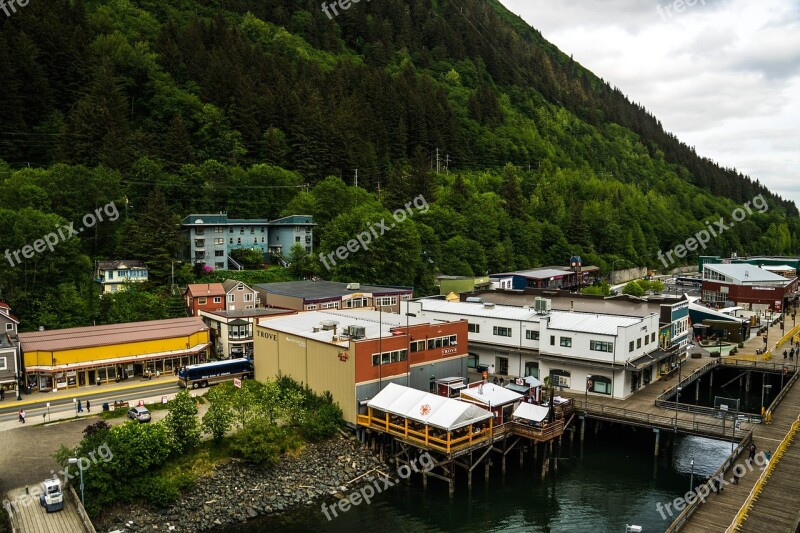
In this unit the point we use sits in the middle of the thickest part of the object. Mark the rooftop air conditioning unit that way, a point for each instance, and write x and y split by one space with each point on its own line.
353 286
328 325
542 305
488 305
357 332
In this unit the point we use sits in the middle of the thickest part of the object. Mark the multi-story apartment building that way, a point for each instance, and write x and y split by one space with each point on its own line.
10 371
616 354
113 275
211 237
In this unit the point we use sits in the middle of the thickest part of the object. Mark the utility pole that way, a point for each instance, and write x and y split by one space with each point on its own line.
437 159
356 177
447 164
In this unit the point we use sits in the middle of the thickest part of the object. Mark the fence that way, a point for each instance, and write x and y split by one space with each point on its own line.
695 504
741 516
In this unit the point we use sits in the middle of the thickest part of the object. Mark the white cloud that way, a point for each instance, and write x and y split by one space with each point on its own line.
723 75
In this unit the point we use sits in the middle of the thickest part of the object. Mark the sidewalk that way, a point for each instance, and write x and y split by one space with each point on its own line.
40 419
88 390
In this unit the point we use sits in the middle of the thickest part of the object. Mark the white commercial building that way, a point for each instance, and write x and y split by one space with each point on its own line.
608 353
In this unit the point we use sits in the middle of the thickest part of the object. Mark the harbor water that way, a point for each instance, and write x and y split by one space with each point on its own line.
613 481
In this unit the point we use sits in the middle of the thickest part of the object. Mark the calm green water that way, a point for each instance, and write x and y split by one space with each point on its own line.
615 481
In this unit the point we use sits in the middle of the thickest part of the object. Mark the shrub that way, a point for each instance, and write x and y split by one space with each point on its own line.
182 422
321 423
218 420
255 445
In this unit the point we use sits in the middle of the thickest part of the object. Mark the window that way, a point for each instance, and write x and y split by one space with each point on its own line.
219 253
638 343
385 358
502 365
601 346
218 229
330 305
231 240
252 231
219 242
9 326
202 300
532 335
240 287
386 300
297 239
248 297
566 342
560 378
312 307
355 302
474 328
217 299
231 298
199 231
219 265
653 337
501 331
552 340
417 346
453 340
262 229
532 369
231 230
599 384
630 346
262 240
472 360
3 363
239 240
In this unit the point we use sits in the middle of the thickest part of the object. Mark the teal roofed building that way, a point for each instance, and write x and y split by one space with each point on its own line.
211 237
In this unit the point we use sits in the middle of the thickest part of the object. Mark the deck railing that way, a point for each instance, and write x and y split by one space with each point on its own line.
548 432
436 439
695 503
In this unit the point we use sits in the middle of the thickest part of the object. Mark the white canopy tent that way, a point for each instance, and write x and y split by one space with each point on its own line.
429 409
528 411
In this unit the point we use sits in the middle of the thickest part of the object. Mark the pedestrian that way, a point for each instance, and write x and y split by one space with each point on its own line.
2 394
785 353
791 356
22 415
752 454
735 477
88 407
80 406
495 381
791 353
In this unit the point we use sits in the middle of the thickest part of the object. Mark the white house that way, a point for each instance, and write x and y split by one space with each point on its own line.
113 275
607 352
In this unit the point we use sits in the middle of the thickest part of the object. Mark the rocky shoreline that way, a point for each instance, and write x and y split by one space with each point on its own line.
236 492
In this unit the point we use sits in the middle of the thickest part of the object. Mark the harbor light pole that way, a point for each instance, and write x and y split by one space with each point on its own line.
677 405
72 461
691 479
586 396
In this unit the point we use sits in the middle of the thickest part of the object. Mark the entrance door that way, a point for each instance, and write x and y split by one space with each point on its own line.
92 377
81 378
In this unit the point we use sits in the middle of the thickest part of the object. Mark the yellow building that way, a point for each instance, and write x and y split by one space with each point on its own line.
76 357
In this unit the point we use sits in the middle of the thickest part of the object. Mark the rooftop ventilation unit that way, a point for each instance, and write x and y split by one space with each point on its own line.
488 305
357 332
328 325
353 286
542 305
473 300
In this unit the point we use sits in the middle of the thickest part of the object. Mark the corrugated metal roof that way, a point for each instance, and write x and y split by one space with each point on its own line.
315 290
478 309
205 289
294 220
87 337
746 273
121 264
589 323
491 394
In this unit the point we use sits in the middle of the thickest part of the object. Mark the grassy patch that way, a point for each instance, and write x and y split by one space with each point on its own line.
186 469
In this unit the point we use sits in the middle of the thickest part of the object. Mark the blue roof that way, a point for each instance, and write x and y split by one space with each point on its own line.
294 220
223 220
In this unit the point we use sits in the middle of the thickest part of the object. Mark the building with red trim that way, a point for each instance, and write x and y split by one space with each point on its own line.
355 354
748 286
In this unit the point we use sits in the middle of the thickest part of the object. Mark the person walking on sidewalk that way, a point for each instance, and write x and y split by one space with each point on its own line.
88 407
22 415
785 353
80 406
752 454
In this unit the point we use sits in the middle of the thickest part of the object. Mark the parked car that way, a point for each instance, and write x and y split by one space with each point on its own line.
139 413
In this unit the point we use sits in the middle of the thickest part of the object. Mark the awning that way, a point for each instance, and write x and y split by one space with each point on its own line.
117 361
429 409
529 411
532 381
522 389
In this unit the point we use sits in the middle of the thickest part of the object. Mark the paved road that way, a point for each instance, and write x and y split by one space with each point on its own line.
35 404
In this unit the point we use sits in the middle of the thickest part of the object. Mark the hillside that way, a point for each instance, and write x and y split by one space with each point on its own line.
267 107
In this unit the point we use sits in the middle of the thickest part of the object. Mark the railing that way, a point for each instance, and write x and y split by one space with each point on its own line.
779 398
741 516
548 432
441 441
653 420
695 503
685 381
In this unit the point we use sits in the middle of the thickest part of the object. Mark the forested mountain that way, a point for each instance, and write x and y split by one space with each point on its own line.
269 107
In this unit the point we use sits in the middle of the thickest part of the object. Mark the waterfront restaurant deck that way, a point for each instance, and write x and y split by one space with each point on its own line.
428 421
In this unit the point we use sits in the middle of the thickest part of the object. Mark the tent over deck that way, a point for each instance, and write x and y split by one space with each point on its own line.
425 408
528 411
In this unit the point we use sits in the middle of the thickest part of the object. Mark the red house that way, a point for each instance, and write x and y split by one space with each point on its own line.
204 297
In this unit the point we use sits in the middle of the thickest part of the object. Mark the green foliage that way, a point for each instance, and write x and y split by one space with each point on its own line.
633 288
262 443
218 420
250 259
183 423
603 289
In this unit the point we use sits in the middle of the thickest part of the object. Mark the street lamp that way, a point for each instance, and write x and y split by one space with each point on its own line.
763 387
72 461
19 386
677 405
691 479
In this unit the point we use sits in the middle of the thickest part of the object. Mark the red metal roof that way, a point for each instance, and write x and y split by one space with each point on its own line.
205 289
87 337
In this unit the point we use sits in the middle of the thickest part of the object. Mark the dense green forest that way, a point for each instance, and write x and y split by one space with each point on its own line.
263 108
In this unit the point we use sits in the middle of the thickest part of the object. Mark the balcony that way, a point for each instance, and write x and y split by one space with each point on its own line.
199 243
199 255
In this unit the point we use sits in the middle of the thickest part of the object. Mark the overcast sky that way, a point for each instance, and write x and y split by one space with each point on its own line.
723 75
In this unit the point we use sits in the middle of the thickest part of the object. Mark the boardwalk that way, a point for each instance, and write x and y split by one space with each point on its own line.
721 509
775 508
27 516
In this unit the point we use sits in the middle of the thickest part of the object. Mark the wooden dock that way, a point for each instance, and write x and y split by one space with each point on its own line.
28 516
720 510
